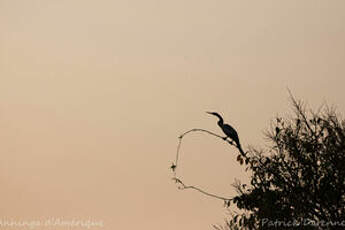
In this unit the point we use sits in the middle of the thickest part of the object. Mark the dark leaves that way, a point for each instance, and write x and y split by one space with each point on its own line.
303 177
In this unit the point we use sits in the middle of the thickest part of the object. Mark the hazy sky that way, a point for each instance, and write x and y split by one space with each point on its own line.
93 95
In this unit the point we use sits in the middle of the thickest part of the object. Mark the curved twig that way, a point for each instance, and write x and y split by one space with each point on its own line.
195 130
183 186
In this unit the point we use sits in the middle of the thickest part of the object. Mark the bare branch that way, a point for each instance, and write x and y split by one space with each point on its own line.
300 111
183 186
174 166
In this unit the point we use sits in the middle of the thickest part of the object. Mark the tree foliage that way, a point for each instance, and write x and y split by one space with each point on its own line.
300 180
297 182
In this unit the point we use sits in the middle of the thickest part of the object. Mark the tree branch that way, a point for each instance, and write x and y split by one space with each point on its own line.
183 186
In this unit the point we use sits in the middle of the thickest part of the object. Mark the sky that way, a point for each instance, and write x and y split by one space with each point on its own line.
93 95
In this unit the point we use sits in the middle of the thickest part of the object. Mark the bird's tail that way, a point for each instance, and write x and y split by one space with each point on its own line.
240 148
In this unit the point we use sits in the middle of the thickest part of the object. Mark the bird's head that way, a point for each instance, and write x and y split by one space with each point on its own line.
217 115
213 113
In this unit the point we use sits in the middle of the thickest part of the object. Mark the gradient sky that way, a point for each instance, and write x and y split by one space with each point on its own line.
93 95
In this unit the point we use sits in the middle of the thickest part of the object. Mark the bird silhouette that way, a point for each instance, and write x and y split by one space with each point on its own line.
229 131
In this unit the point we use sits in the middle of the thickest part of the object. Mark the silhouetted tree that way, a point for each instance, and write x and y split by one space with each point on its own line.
299 182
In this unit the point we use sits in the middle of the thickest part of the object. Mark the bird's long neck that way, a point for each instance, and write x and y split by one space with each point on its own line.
221 121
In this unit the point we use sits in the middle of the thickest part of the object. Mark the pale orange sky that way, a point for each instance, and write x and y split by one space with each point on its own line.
93 95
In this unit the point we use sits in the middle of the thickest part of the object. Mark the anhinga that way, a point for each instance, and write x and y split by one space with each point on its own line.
229 131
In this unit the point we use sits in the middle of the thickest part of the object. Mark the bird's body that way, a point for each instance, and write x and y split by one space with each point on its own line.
229 131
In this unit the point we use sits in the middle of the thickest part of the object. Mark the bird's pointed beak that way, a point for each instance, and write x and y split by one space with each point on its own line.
210 113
